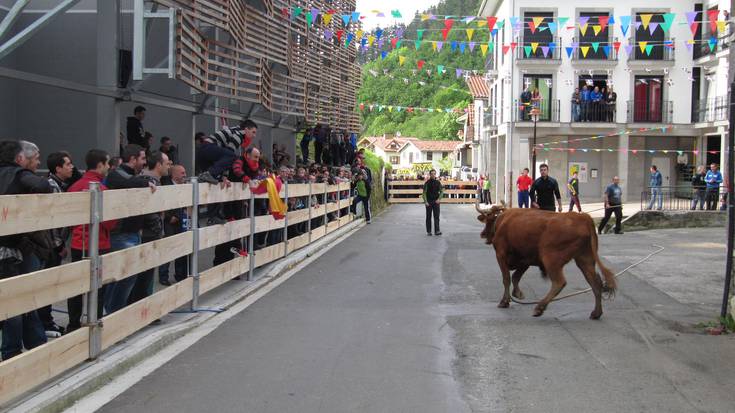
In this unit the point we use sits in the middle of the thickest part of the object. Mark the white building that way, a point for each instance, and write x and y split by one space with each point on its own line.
401 152
666 85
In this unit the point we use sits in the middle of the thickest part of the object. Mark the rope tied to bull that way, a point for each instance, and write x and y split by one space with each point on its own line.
586 290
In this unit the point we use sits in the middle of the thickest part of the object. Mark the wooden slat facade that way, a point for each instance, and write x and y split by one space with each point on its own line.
281 63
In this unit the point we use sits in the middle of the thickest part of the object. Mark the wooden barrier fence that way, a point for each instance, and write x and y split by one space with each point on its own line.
409 192
28 292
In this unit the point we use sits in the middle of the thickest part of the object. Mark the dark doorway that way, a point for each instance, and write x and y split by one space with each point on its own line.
714 145
542 37
655 39
602 38
648 99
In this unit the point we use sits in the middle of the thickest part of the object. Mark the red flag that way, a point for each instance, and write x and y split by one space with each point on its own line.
448 24
616 45
420 64
339 35
410 109
513 46
284 13
532 26
712 17
491 22
394 42
506 48
445 32
603 21
694 28
362 106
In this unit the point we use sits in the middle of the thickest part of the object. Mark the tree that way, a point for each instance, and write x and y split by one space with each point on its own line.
446 164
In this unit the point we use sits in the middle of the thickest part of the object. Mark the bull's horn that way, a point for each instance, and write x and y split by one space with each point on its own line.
502 203
477 207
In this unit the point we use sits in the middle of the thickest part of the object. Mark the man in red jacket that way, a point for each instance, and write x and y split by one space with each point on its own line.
98 164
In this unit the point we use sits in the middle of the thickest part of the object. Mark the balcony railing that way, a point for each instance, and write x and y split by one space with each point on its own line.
711 110
605 50
548 110
601 111
702 47
548 51
659 52
642 112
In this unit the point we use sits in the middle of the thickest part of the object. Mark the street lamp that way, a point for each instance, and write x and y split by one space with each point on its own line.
535 112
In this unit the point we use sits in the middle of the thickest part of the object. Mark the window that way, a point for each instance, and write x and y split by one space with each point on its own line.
542 37
445 154
647 100
589 38
410 158
429 156
655 49
395 160
542 83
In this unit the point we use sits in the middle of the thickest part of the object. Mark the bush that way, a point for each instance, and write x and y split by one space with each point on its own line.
377 197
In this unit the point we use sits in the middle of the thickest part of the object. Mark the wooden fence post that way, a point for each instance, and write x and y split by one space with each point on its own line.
95 217
194 261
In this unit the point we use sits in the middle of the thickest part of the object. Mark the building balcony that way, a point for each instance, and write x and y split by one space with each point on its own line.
594 114
604 56
711 110
644 112
704 55
548 111
659 55
548 53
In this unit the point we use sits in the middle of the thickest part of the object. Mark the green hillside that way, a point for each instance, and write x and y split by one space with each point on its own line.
435 90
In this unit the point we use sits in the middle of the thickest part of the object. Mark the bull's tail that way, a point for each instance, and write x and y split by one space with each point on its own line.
610 283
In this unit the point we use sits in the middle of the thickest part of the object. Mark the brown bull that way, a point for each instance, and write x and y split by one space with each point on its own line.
548 240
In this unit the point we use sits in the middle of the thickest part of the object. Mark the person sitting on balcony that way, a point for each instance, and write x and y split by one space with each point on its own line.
576 105
611 102
584 98
595 98
525 108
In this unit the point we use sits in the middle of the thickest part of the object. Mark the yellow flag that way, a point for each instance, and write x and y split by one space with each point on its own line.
433 46
597 29
537 21
401 60
721 24
371 40
481 23
533 47
642 45
645 19
470 32
359 34
424 17
583 29
326 18
584 50
483 47
390 108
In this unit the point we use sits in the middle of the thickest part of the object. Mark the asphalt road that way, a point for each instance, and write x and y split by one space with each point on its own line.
391 320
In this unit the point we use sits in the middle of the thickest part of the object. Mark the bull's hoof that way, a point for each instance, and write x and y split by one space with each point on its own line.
538 311
518 294
595 315
504 304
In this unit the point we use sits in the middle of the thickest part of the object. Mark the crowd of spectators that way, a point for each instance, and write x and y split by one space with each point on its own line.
221 158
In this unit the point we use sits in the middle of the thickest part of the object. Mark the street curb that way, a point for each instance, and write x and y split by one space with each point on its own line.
81 381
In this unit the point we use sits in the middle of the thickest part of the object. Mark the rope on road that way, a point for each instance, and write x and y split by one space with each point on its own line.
619 273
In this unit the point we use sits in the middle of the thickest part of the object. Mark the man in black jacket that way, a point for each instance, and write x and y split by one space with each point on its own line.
25 330
432 195
136 133
544 190
175 222
127 233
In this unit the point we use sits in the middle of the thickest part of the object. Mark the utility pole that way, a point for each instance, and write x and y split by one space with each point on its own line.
730 169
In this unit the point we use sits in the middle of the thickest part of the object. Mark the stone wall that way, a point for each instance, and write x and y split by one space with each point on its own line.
644 220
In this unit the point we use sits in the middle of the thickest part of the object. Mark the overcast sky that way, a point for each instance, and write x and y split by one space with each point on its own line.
408 9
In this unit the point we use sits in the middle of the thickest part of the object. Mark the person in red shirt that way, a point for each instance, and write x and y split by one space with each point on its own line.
98 164
523 183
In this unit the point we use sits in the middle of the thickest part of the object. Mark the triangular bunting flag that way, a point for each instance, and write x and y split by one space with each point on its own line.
629 49
328 35
462 47
394 42
652 27
534 45
642 45
712 43
606 50
532 27
309 20
296 12
552 47
448 24
401 60
585 50
611 19
314 12
595 46
563 21
355 16
440 69
433 46
327 18
371 40
648 49
552 27
420 34
445 32
689 44
569 50
645 19
721 25
505 48
537 21
712 17
545 50
470 32
624 24
346 19
458 72
597 29
420 64
616 45
527 50
454 45
472 46
417 44
481 23
501 23
583 29
396 14
439 46
603 21
668 21
483 48
383 55
491 22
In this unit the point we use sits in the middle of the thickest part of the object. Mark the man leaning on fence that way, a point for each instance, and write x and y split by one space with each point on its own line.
18 160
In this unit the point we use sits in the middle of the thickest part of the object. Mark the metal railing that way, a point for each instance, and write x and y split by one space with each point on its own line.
544 50
601 111
548 110
679 198
639 112
658 51
711 110
702 46
605 50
